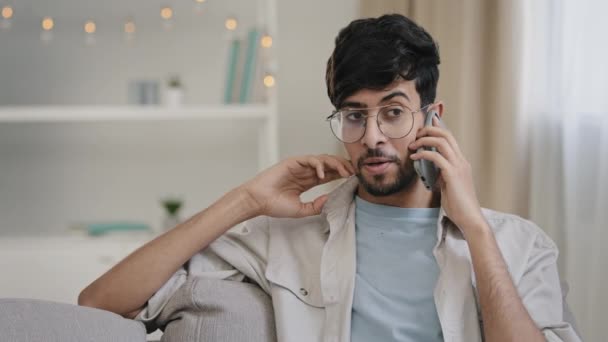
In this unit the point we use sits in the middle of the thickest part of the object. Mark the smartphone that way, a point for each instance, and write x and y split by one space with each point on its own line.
426 170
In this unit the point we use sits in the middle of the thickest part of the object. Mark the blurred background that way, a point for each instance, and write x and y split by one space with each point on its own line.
120 118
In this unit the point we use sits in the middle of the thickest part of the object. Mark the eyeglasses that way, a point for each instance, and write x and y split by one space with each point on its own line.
394 121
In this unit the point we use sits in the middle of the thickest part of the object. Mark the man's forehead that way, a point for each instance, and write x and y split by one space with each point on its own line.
372 97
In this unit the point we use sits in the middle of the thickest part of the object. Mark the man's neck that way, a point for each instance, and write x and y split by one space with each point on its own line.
416 196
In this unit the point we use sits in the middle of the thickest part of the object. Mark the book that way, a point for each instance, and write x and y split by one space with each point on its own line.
249 65
231 70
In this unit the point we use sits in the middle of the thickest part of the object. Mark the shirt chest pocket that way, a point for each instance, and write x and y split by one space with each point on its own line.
298 306
305 287
294 263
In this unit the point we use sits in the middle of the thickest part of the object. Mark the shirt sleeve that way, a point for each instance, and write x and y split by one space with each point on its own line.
541 292
239 254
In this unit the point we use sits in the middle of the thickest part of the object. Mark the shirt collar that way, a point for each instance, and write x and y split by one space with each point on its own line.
341 199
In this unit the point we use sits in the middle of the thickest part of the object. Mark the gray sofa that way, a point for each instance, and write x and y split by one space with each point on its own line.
201 310
36 321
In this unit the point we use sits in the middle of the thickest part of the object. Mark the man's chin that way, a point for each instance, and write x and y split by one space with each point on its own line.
378 185
385 184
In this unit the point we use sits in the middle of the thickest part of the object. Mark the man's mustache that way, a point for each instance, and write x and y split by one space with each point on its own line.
376 153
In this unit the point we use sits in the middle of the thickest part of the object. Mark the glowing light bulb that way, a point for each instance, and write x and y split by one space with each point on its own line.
166 13
47 23
269 81
266 41
199 1
129 26
90 27
7 12
231 24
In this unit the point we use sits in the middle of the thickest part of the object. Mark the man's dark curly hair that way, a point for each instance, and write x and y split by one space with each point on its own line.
373 53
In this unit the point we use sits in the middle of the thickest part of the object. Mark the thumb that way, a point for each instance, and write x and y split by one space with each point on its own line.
312 208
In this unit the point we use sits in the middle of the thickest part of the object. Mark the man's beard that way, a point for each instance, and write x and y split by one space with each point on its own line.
405 177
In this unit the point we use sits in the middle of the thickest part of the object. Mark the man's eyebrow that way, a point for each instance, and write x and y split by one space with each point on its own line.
394 94
353 104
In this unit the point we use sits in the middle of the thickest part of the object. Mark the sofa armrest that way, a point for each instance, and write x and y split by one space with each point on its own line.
38 321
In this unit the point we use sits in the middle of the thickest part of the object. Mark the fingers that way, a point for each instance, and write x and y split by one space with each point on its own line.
312 208
435 157
348 166
318 165
326 163
442 146
439 132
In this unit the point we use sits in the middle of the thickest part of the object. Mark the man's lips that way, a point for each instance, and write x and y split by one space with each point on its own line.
376 165
372 161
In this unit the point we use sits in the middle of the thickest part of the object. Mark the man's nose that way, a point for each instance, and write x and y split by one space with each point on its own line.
373 136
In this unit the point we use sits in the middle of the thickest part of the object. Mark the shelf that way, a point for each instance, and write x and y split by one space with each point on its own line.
134 113
263 115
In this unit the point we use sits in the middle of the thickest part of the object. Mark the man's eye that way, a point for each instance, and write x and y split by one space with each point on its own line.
354 116
395 112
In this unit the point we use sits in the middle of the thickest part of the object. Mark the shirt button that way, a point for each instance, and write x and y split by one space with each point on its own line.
303 292
245 230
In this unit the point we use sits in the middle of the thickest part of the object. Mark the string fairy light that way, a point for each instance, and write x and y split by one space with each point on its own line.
231 24
6 13
269 81
130 26
90 27
266 41
47 24
166 13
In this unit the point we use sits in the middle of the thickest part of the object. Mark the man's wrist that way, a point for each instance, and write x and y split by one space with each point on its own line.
476 229
244 202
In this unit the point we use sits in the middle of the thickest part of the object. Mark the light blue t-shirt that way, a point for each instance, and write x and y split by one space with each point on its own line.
396 274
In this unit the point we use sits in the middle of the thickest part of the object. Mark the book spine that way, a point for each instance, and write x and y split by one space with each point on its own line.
250 63
233 58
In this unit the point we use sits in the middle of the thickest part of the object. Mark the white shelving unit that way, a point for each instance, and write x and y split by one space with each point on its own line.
71 260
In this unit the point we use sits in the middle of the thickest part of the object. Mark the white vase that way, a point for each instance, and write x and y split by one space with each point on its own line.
175 97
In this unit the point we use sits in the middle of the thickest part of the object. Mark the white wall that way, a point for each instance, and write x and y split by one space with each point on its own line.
67 71
53 175
307 30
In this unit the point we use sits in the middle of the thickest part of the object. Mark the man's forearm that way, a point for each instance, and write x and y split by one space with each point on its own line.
504 315
127 286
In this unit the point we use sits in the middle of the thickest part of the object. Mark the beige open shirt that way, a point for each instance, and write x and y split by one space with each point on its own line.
308 267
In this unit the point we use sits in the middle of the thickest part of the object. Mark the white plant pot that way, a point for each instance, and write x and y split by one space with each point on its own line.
175 97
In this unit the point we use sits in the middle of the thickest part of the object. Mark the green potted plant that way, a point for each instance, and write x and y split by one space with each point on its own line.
172 206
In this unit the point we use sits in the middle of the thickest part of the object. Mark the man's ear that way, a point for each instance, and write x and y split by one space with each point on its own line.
438 107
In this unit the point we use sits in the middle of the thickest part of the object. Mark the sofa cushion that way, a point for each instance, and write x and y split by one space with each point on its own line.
205 309
42 321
